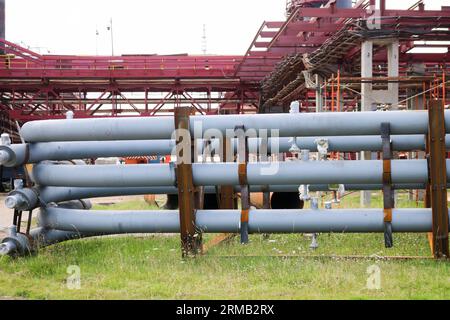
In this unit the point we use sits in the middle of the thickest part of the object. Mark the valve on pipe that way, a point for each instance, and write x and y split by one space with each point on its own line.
15 244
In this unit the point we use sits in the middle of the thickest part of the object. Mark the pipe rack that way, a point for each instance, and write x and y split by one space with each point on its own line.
54 183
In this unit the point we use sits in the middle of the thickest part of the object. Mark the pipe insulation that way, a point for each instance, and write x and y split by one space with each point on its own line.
28 199
18 154
211 174
228 221
287 125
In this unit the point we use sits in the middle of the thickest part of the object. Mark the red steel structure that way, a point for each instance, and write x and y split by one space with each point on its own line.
318 39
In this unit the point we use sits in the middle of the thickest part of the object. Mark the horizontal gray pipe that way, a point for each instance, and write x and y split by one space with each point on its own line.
210 174
45 237
14 155
289 125
27 199
228 221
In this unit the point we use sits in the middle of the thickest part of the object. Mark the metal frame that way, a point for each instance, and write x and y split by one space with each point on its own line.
243 157
191 239
388 190
438 184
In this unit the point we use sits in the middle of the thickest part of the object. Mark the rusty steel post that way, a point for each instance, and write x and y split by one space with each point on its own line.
243 181
191 240
388 190
438 179
227 196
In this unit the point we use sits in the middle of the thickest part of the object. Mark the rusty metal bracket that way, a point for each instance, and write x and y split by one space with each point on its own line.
388 190
17 219
243 181
438 179
191 238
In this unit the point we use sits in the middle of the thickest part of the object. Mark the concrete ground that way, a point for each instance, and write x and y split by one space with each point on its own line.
5 216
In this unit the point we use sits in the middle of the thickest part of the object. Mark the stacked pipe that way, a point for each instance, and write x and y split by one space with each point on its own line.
48 142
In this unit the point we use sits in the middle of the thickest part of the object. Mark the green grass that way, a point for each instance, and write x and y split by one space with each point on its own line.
280 267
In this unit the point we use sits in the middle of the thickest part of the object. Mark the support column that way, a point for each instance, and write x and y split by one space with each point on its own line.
438 179
227 196
393 72
366 101
319 95
366 72
191 239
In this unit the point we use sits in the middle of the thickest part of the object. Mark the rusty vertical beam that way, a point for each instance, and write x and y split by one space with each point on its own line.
388 190
243 158
227 196
191 240
438 179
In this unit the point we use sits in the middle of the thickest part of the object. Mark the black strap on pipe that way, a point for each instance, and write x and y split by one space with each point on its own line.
243 181
388 190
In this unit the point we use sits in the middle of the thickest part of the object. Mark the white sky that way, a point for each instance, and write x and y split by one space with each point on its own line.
144 26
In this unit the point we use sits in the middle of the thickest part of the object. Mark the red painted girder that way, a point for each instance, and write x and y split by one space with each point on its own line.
274 24
141 101
296 27
312 40
333 12
257 68
268 34
7 86
116 74
285 44
291 50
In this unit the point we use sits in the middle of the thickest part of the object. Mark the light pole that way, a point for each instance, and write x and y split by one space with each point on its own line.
96 41
110 28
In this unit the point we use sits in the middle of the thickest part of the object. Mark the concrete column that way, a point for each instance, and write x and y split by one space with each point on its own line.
372 97
366 72
319 96
366 101
393 71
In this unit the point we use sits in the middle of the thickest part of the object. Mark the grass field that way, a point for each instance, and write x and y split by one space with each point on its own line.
280 267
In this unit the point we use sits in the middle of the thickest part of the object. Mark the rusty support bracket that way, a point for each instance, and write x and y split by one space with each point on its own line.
438 179
388 190
191 238
17 219
243 181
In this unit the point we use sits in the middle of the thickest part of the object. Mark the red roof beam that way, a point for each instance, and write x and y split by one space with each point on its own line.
274 24
297 27
345 13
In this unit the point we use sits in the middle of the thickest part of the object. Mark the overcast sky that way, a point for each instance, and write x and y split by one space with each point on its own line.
143 26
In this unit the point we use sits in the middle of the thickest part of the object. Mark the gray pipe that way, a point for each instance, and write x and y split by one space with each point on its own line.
210 174
228 221
45 237
289 125
15 155
27 199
